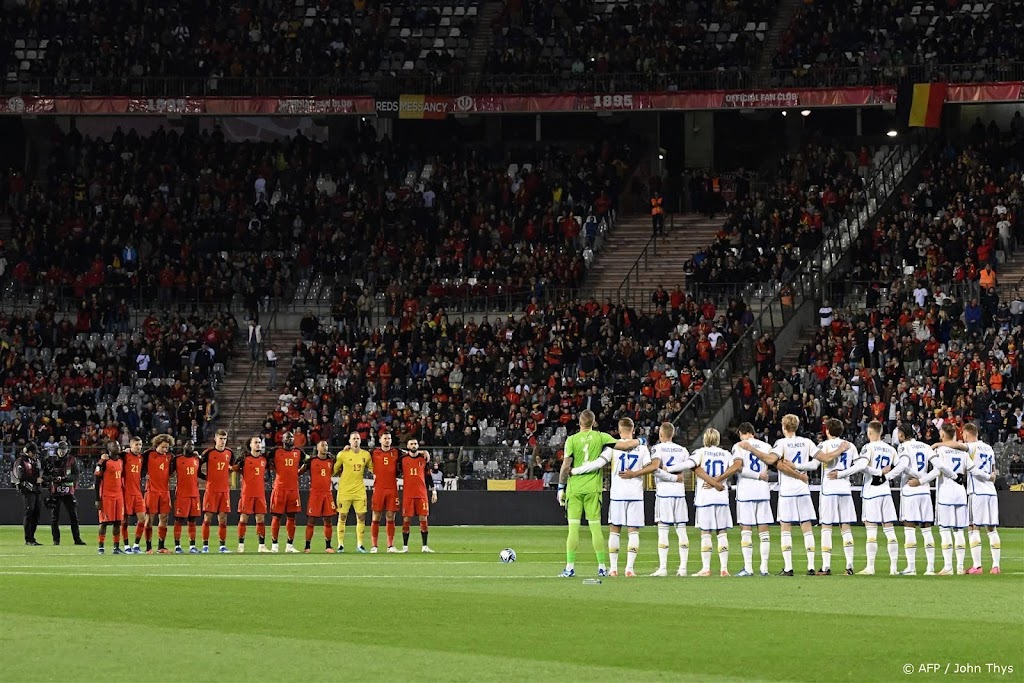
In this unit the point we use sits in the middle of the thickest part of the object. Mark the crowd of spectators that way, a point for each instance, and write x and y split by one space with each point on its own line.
245 47
581 44
920 332
62 380
767 234
191 217
514 382
833 42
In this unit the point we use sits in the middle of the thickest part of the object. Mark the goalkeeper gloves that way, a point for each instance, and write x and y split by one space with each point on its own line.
561 495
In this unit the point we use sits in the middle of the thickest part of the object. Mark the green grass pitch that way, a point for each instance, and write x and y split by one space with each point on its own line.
460 615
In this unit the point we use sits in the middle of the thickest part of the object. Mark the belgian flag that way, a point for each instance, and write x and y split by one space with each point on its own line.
919 105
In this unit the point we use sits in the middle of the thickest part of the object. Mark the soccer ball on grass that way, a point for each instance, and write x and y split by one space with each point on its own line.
507 555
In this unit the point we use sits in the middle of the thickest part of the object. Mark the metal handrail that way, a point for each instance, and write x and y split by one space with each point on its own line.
805 283
253 378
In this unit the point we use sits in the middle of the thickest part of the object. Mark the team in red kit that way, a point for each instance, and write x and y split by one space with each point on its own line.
136 484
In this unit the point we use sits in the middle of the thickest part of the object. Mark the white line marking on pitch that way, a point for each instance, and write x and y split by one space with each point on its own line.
297 578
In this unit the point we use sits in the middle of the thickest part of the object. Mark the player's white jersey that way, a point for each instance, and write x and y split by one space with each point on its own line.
840 486
984 462
879 456
948 491
627 489
800 452
714 461
672 457
915 456
750 487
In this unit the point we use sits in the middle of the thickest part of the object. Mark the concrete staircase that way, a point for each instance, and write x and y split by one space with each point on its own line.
241 381
483 38
626 244
783 16
1010 273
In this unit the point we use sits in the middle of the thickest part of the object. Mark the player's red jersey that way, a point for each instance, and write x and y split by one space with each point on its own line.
111 484
158 471
286 469
218 469
385 469
414 470
187 471
253 471
320 471
132 475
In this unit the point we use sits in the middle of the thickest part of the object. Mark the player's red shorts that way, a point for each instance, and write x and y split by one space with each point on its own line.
186 506
384 501
412 507
253 505
158 503
134 505
111 509
216 501
285 502
321 505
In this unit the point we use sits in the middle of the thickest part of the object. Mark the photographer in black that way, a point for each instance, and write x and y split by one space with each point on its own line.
60 472
27 479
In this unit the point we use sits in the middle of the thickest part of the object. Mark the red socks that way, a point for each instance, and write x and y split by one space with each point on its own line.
290 528
275 529
192 532
161 533
391 532
405 527
423 525
206 533
222 531
328 532
140 529
309 532
374 532
261 529
241 531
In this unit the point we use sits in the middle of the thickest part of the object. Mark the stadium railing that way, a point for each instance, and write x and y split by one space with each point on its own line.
807 283
422 83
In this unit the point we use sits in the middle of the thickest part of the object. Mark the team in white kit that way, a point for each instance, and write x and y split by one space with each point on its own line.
964 475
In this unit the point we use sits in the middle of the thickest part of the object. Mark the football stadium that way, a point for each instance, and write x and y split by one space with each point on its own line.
609 340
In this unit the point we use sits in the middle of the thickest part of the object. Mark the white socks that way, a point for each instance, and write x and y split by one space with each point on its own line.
910 547
974 539
995 547
960 544
705 551
766 549
747 549
809 548
684 546
632 548
946 536
928 534
662 546
893 546
826 547
723 550
872 547
848 548
613 551
787 550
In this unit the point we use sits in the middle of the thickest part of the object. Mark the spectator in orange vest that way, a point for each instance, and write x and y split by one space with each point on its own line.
987 278
657 213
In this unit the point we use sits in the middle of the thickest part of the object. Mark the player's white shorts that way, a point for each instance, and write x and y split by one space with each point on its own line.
917 508
714 518
984 510
951 516
837 509
796 509
879 510
671 510
628 513
754 512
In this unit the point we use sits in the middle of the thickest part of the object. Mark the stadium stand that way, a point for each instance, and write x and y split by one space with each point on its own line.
609 45
65 378
239 48
831 42
254 222
915 336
